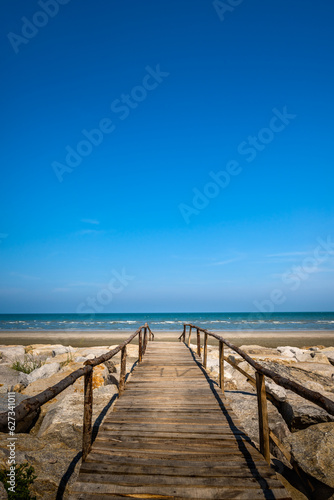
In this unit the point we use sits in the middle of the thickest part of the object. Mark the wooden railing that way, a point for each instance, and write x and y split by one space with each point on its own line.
34 403
265 434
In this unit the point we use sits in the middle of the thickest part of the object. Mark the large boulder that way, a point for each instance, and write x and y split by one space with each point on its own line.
300 413
64 419
52 462
12 353
25 424
294 353
8 378
313 451
45 371
329 353
244 405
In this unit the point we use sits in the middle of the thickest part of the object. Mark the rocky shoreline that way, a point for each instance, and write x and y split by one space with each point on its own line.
50 439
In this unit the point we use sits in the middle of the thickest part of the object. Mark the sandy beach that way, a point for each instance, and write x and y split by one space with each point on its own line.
272 338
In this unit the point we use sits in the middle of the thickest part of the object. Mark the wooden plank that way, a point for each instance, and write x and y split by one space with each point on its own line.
183 491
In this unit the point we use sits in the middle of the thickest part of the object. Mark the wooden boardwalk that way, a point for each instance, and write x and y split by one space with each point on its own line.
172 435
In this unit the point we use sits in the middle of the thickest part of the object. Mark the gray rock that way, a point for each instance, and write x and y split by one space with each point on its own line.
111 366
82 359
25 424
64 419
50 459
294 353
313 450
61 349
8 378
329 354
11 353
300 413
244 405
275 390
44 371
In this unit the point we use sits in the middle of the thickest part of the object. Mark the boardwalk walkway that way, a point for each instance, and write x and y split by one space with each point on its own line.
171 435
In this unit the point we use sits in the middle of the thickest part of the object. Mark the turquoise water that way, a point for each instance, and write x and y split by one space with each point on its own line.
169 321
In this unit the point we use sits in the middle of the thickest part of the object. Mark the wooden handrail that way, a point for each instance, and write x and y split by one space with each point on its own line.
313 396
33 403
259 382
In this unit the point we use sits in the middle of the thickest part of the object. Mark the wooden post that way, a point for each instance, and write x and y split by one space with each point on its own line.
198 342
140 348
87 417
145 339
263 416
189 335
123 371
183 336
205 353
221 366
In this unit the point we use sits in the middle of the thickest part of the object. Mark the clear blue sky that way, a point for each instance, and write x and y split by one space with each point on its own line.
180 90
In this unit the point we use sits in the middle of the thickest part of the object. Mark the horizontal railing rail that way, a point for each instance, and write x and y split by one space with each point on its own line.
35 402
259 382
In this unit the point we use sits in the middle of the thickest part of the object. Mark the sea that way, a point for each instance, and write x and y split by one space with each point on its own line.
315 321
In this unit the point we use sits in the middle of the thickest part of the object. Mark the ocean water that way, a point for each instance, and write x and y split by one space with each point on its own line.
169 321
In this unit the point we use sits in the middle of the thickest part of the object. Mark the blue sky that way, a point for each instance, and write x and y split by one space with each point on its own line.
188 145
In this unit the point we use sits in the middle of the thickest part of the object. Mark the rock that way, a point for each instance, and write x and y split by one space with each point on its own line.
61 349
64 420
43 383
25 424
313 450
8 378
100 378
3 492
93 352
329 353
19 387
300 413
11 353
276 390
110 366
51 460
294 353
45 371
244 405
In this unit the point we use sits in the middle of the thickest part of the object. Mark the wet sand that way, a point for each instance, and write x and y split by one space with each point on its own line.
86 338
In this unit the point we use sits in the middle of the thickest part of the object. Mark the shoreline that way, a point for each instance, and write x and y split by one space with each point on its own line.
89 338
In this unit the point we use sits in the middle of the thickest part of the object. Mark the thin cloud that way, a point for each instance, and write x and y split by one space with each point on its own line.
288 254
24 276
91 221
84 232
225 262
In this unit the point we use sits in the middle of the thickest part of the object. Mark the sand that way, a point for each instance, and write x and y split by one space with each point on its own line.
270 338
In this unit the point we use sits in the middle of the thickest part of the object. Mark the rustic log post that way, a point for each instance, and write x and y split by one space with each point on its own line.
183 336
190 328
87 417
221 366
263 416
205 353
140 347
198 342
145 339
123 371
